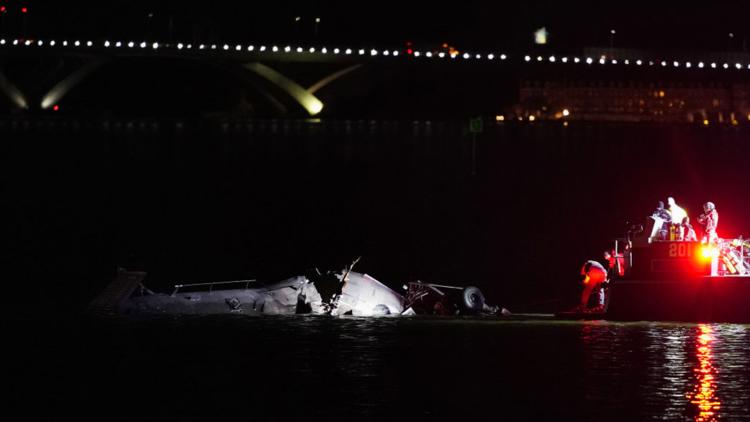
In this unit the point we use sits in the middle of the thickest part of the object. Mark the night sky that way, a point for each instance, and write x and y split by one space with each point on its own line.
466 25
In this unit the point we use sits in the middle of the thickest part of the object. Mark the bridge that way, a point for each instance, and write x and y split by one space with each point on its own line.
37 75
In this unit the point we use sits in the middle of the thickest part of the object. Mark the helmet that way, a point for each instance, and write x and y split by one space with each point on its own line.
709 206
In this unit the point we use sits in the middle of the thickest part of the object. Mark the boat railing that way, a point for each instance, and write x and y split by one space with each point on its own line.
211 285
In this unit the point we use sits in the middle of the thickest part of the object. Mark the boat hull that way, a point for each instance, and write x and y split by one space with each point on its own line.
692 299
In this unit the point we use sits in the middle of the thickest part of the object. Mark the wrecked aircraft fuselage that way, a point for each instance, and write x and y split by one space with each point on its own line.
345 293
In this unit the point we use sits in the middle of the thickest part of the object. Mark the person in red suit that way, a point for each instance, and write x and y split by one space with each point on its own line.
594 274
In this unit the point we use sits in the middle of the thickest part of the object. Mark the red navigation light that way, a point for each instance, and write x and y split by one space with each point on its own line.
24 9
56 107
3 9
409 51
709 252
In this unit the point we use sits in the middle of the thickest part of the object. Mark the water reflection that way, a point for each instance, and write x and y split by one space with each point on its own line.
703 395
669 371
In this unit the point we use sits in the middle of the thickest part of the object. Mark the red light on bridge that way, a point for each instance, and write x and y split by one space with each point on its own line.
3 9
409 51
24 9
56 107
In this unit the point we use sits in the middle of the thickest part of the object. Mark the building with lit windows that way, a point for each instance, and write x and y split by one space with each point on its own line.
637 86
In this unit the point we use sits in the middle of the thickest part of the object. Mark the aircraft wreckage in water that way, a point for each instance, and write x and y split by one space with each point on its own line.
334 293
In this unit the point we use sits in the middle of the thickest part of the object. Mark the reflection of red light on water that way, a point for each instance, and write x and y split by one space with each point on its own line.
703 395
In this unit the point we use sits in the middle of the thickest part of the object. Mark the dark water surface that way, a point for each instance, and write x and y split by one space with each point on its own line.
285 368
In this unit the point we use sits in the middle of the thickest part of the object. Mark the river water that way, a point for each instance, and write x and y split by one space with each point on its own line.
282 368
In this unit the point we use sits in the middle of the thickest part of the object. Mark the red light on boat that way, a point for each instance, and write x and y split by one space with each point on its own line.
708 252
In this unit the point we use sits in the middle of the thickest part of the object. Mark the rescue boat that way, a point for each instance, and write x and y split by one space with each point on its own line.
679 281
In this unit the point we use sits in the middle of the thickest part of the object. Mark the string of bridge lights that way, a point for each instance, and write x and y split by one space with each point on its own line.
372 52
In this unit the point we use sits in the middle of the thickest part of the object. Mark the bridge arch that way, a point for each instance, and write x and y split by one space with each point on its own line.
12 92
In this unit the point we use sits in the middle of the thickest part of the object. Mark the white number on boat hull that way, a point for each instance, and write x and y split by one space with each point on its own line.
680 250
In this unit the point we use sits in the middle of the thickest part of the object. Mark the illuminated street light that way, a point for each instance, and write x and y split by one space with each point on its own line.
491 57
106 44
373 52
564 60
336 51
226 47
348 51
503 57
417 54
700 65
527 58
77 43
250 47
143 44
589 60
395 53
300 49
89 43
286 49
179 46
